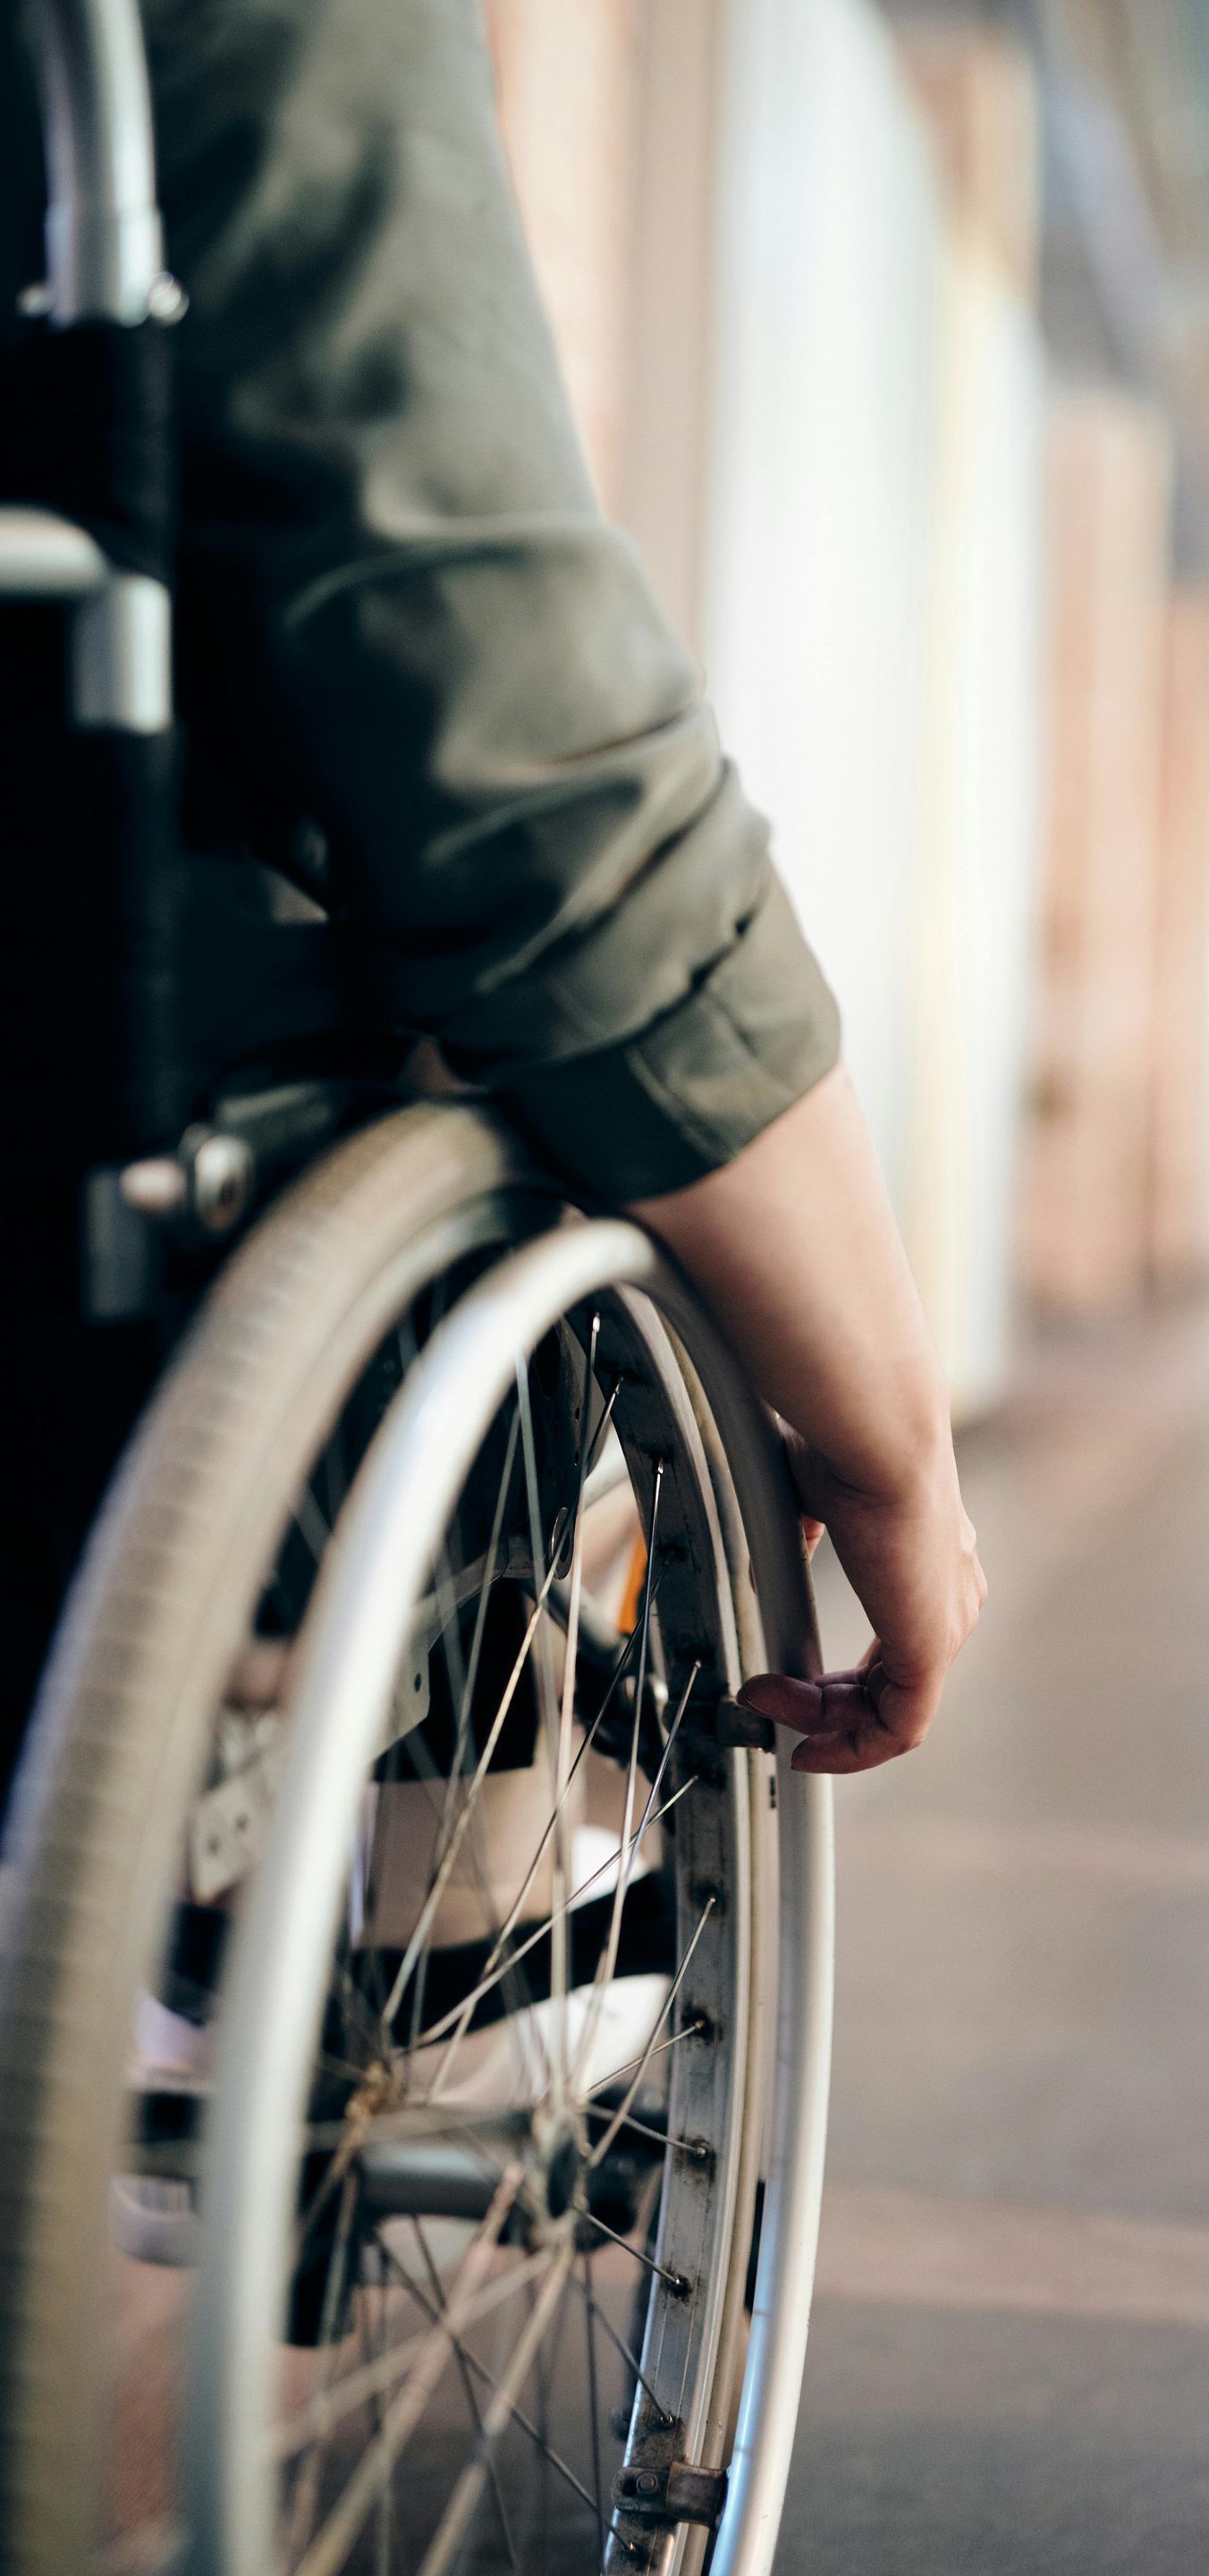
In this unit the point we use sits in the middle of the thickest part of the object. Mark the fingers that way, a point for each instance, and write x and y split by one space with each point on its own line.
851 1721
900 1718
811 1708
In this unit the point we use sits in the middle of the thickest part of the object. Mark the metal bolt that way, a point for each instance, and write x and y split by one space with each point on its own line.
166 298
647 2482
155 1188
222 1182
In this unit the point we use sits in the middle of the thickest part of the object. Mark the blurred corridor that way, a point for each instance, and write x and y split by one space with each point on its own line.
338 1995
887 326
1009 2367
886 329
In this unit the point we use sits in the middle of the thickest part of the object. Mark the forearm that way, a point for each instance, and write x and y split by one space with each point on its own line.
794 1247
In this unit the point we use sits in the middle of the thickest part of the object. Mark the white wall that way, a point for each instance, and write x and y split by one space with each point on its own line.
975 931
869 623
824 452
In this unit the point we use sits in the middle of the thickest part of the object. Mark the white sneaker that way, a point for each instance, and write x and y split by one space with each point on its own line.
154 2219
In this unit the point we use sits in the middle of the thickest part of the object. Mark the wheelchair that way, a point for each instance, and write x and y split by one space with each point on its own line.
416 1968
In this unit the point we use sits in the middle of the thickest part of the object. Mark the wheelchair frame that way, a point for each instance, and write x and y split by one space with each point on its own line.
105 263
213 1114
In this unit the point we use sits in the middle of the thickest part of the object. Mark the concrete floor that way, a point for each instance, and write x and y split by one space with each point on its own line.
1009 2367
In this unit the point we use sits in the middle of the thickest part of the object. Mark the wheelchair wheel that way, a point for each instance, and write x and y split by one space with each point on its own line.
380 1757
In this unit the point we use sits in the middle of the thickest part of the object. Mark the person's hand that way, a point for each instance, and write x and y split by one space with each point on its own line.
911 1557
794 1248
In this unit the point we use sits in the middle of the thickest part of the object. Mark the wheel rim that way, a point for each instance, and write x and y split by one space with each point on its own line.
190 1532
159 1613
360 1622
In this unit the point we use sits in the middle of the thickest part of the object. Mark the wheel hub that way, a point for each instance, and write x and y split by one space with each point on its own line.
565 2165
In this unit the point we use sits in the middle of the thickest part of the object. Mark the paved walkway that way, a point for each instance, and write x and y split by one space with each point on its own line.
1009 2369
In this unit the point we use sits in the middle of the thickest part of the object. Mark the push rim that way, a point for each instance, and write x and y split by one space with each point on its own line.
364 1614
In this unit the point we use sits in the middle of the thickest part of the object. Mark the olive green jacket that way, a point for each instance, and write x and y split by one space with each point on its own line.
404 617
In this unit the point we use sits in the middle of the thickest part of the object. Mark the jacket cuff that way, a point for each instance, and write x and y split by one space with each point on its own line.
686 1095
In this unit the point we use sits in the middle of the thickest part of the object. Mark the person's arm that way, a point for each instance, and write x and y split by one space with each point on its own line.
794 1248
409 640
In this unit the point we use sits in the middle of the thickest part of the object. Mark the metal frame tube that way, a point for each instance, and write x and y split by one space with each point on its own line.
121 657
105 258
44 557
104 244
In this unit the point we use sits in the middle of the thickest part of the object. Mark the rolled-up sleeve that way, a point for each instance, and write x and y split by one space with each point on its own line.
406 617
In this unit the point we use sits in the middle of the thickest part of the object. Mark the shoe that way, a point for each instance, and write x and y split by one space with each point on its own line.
154 2218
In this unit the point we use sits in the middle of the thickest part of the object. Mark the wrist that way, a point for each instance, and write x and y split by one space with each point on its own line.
908 1466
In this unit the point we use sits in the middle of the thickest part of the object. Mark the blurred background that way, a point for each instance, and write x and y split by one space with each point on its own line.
888 332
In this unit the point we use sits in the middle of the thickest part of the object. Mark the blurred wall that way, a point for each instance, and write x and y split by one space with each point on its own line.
825 457
1178 1143
873 632
792 268
975 880
567 80
1085 1235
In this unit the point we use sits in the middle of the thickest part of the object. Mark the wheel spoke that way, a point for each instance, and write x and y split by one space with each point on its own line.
559 1952
372 2378
337 2170
601 1432
488 1577
672 1733
647 2261
357 2009
608 1959
593 2394
429 1778
504 1524
454 1845
551 1729
447 1589
306 2493
457 1764
486 1984
468 2388
603 2145
643 2129
630 2358
540 2262
466 2010
625 1867
459 2512
377 2461
383 2515
689 2031
447 1600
